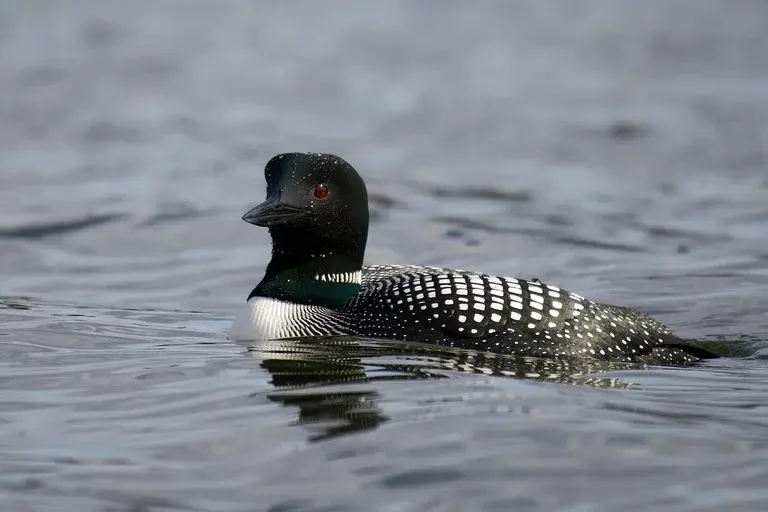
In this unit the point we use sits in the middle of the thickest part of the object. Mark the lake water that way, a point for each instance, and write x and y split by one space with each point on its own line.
613 148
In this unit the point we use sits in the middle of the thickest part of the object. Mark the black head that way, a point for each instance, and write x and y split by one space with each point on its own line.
316 193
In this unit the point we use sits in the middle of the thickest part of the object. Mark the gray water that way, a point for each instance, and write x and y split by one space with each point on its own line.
613 148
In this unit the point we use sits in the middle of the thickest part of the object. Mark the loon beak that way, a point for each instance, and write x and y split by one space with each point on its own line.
273 212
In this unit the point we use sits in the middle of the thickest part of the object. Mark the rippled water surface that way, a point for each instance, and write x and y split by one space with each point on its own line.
614 148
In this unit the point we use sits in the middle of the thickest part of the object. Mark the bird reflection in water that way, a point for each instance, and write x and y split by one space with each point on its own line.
333 381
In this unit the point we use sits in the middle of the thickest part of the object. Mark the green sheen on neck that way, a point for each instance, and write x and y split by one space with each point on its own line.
306 268
309 285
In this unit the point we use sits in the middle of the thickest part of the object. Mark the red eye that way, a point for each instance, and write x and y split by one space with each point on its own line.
321 191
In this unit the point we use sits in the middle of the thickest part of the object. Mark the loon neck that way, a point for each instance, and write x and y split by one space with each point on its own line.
311 270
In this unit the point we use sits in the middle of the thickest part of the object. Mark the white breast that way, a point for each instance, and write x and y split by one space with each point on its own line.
264 318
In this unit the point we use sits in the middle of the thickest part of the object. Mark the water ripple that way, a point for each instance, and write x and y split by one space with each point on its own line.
47 228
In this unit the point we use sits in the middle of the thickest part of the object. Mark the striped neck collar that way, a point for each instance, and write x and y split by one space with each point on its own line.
354 277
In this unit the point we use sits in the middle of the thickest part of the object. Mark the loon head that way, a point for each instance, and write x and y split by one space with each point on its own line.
317 214
317 194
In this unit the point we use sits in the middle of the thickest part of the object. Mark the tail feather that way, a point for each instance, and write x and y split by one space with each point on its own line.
692 350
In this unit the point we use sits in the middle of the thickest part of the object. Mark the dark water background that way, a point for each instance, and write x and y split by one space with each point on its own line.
614 148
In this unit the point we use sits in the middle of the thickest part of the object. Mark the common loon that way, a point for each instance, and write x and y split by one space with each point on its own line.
316 285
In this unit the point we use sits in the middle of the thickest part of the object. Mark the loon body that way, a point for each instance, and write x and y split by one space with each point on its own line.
316 285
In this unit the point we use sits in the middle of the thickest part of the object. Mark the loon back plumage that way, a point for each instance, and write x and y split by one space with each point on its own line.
476 311
315 284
